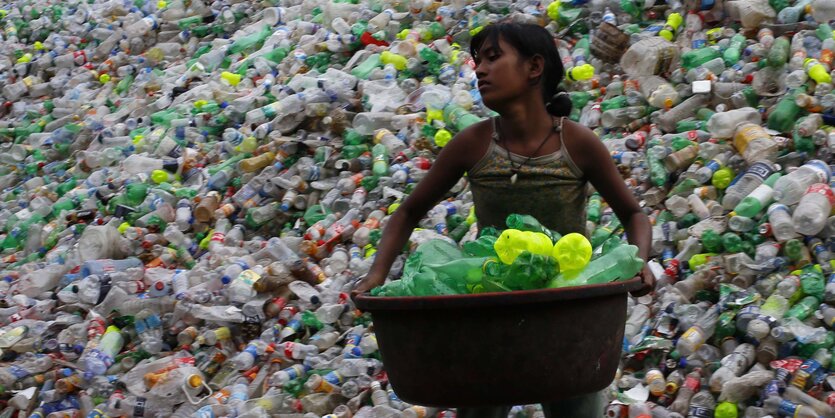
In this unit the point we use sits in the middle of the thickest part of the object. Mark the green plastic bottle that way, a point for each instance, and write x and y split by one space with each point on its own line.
759 199
734 51
793 249
380 166
483 246
808 350
696 57
364 69
458 117
528 271
785 114
812 281
251 41
603 232
711 241
594 207
802 309
732 242
622 263
529 223
779 52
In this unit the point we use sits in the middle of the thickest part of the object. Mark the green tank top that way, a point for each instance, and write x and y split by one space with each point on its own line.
549 187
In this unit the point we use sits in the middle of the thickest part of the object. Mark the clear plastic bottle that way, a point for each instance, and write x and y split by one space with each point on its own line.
690 387
756 174
733 365
791 187
702 404
811 214
699 333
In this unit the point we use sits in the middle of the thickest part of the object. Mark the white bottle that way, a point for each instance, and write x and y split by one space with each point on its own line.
790 188
780 220
733 365
724 124
141 27
811 214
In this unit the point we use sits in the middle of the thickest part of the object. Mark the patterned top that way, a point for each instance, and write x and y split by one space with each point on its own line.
549 187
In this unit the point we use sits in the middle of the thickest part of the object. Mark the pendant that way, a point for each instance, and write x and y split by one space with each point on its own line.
513 178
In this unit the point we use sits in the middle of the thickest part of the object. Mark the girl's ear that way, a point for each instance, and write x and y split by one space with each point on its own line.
536 68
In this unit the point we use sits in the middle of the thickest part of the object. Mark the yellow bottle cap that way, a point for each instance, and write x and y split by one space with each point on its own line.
232 78
195 381
393 207
471 218
442 137
161 4
553 10
204 243
159 176
104 78
572 251
123 227
38 46
434 114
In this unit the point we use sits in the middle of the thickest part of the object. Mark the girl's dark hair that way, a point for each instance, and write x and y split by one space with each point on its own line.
530 40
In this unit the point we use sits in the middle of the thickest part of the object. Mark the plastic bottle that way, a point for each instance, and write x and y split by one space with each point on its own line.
759 199
698 334
733 365
691 386
756 174
809 218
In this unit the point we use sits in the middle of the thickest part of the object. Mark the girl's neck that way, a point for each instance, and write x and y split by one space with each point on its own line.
525 121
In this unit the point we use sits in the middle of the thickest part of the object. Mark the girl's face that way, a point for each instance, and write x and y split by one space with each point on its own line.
502 73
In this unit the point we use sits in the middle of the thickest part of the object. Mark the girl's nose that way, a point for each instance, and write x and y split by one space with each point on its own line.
480 70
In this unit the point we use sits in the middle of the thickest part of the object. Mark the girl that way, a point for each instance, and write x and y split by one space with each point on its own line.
531 159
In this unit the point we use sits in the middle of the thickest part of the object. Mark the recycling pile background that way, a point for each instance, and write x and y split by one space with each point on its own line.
191 189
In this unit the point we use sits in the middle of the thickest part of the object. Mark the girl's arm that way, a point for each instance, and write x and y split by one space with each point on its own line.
595 161
452 162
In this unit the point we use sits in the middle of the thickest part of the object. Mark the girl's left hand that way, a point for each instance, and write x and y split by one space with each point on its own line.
648 280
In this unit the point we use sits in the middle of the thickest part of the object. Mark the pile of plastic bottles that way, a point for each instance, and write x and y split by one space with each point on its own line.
190 189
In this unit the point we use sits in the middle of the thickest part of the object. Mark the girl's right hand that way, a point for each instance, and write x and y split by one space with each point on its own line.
369 282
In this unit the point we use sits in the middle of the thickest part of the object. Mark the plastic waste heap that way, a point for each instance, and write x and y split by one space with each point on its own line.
190 189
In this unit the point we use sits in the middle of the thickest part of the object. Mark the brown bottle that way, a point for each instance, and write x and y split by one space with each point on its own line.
204 212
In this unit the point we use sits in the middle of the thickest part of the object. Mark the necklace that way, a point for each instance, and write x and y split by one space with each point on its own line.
514 168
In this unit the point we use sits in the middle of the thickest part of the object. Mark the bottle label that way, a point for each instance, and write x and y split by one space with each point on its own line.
747 134
665 58
700 412
773 209
96 413
824 190
334 378
294 372
821 170
788 409
760 169
713 166
763 193
248 277
771 389
18 372
139 407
